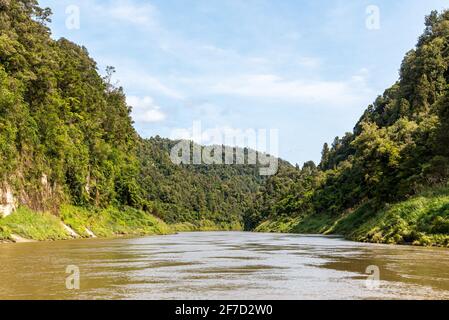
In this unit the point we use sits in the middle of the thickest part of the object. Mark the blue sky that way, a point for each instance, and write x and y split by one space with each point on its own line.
305 67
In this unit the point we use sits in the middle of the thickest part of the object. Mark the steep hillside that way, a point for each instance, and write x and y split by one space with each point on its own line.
398 149
198 195
68 149
69 154
66 134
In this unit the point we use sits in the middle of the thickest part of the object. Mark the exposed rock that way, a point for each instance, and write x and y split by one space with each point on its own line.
18 239
90 233
44 180
8 203
87 186
70 231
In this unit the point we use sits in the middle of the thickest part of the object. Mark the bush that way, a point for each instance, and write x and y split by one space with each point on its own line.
33 225
112 221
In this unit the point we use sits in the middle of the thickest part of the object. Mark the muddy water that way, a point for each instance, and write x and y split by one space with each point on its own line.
220 265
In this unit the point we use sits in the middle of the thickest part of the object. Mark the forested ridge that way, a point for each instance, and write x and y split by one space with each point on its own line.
66 133
69 152
218 194
387 180
68 146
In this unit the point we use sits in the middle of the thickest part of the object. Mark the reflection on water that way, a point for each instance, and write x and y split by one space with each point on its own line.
220 265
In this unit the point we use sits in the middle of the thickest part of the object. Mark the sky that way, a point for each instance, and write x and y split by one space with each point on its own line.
307 68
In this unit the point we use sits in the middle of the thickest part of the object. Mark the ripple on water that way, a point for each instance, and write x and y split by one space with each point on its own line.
220 265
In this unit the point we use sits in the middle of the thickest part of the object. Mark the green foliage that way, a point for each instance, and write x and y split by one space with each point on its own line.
282 225
5 233
285 195
79 219
105 223
393 151
421 220
205 225
66 137
196 193
112 221
60 118
398 149
32 225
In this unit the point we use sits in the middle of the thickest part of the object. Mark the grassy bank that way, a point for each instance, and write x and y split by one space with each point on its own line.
112 221
32 225
206 225
104 223
421 220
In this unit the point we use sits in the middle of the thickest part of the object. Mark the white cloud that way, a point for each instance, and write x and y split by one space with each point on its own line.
309 62
361 76
303 91
130 12
226 70
145 109
142 81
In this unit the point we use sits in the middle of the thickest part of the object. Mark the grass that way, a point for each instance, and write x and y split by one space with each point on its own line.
306 224
112 221
284 225
104 223
32 225
206 225
5 233
421 220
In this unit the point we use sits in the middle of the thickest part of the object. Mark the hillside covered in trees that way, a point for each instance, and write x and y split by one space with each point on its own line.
387 180
68 146
69 153
215 194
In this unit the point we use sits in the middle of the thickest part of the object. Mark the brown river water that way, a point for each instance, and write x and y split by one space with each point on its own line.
222 265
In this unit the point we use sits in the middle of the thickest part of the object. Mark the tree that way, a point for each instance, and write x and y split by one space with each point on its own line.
325 156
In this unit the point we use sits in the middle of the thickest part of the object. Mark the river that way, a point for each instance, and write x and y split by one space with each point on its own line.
222 265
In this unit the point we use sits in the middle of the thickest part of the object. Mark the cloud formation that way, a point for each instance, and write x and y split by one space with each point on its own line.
145 110
128 11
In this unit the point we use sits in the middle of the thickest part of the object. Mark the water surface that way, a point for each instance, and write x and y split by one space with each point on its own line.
220 265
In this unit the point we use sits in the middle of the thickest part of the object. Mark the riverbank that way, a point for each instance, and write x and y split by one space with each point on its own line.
206 226
75 223
422 220
25 225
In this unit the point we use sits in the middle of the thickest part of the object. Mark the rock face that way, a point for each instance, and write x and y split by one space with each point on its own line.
90 233
8 203
70 231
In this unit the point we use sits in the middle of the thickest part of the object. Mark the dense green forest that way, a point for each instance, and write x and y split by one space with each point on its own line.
387 180
66 133
68 146
69 152
214 194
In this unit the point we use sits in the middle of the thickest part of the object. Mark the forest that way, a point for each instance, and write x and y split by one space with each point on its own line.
69 148
387 181
69 152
